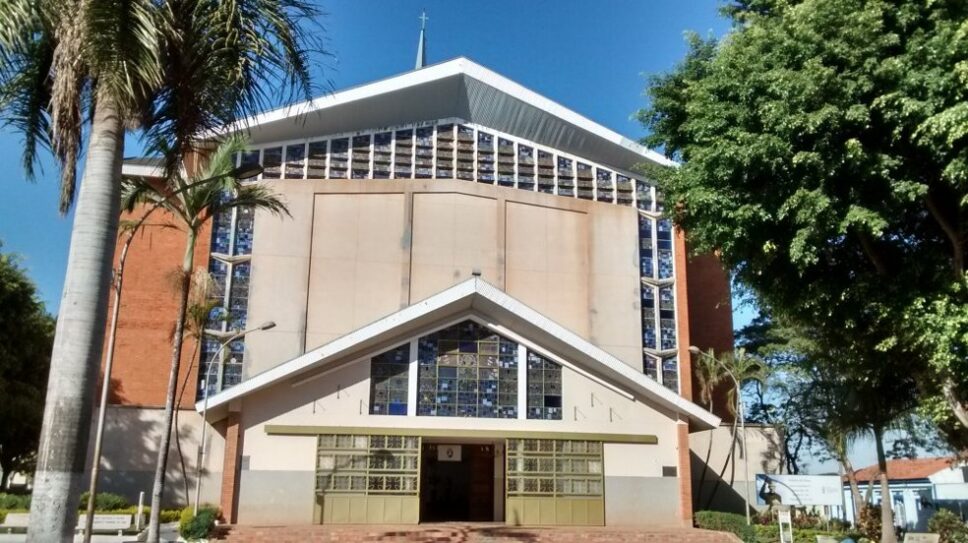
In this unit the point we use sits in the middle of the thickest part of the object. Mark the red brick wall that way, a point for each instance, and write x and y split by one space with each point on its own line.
684 472
706 311
149 307
230 468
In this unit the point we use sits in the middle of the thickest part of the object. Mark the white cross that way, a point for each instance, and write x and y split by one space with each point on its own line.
423 20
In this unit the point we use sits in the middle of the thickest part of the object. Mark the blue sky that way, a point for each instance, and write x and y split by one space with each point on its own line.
589 56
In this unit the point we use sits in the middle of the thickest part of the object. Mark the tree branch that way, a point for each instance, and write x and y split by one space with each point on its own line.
867 244
950 230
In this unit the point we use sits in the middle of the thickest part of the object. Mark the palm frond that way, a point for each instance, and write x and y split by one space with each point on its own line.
25 92
254 196
66 94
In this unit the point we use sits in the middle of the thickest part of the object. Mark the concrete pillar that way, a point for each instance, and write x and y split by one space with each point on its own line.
684 473
231 465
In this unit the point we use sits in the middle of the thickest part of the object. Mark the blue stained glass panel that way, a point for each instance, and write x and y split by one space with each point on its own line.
244 230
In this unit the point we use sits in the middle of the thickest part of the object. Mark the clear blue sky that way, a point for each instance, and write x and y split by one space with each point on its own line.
589 56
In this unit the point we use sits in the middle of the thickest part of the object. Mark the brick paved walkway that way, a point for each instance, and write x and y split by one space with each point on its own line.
464 533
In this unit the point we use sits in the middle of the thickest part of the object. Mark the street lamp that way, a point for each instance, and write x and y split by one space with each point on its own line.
242 172
208 373
742 424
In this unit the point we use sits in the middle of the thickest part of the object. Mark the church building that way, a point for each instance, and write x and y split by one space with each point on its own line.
479 312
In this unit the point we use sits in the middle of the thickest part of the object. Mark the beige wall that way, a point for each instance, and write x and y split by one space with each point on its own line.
354 252
130 451
764 452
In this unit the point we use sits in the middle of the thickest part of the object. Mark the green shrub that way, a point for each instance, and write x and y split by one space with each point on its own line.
869 522
771 534
105 501
194 527
14 501
726 522
949 526
3 515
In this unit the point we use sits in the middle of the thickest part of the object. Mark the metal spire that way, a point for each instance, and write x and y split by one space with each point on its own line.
421 45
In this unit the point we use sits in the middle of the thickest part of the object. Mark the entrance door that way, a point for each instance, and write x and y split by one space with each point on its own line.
457 483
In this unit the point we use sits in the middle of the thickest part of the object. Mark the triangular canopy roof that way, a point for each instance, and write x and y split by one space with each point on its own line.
458 88
473 297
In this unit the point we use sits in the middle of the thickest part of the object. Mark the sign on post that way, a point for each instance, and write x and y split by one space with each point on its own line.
786 527
798 490
921 538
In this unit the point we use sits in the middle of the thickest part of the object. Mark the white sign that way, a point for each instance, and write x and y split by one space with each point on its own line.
921 538
107 522
786 527
448 453
16 520
798 490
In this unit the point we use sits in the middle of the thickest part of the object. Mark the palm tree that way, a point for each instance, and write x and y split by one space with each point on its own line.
181 68
61 63
194 204
709 373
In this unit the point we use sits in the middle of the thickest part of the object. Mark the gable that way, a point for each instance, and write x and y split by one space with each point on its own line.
497 311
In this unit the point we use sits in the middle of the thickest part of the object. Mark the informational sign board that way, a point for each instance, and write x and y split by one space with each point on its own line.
786 527
448 453
798 490
108 522
921 538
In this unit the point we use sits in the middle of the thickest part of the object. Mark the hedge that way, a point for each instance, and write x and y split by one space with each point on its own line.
770 533
726 522
193 527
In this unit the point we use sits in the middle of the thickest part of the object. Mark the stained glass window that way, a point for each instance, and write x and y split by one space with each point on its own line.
646 266
648 317
643 193
670 374
651 367
389 373
244 229
249 158
544 388
664 244
467 371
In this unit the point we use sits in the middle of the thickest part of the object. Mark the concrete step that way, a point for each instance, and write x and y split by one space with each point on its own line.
464 533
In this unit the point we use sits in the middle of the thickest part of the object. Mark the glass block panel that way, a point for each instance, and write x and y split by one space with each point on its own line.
485 157
382 154
664 244
646 251
316 167
339 158
667 332
467 371
403 154
244 227
465 153
272 163
367 465
295 161
643 194
554 468
424 152
650 367
249 158
389 376
222 232
361 157
670 373
544 388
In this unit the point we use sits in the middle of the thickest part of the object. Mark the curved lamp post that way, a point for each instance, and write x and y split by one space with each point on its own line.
208 375
742 424
243 172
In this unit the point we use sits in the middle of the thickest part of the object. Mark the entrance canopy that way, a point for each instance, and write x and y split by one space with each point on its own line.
504 314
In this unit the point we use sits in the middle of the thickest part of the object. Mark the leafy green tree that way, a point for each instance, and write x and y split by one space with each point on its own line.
824 149
195 203
26 338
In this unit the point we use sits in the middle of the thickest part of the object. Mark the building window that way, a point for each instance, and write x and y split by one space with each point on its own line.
388 381
544 388
367 465
272 163
295 161
467 371
554 468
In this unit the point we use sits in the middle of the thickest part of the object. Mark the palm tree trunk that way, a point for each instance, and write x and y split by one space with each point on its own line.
705 463
76 356
855 496
729 456
887 505
158 488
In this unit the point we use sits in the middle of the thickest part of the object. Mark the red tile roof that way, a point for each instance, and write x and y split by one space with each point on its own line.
907 469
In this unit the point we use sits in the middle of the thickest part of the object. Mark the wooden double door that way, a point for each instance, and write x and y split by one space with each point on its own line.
457 482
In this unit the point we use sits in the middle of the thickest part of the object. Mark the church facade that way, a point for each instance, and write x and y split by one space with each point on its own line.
481 313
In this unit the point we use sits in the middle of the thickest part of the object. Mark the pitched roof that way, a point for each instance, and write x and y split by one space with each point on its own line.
906 469
472 297
458 88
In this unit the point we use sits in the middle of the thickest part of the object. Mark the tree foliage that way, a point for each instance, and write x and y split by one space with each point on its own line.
824 149
26 337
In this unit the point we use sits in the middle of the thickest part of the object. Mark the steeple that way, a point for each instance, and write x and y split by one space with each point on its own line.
422 45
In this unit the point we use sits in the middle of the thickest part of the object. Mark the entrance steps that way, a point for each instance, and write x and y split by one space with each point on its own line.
465 533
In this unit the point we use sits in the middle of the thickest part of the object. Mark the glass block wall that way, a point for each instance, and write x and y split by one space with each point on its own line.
229 269
467 371
453 149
